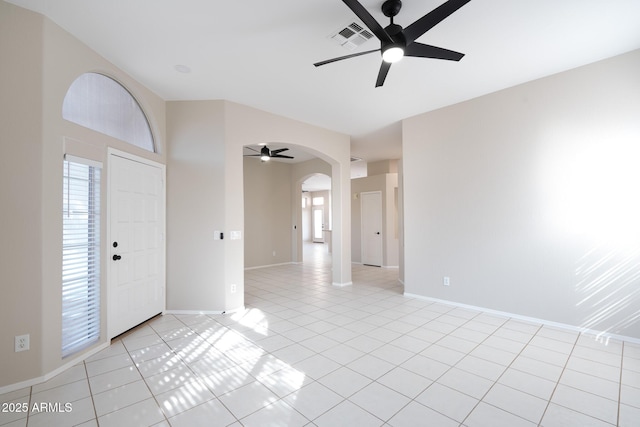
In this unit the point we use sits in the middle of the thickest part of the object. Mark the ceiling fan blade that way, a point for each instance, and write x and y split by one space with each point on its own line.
431 19
282 156
368 20
382 74
252 155
252 149
340 58
279 150
420 50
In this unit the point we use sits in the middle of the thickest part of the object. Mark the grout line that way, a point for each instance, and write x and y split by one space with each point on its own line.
29 404
620 384
93 403
560 377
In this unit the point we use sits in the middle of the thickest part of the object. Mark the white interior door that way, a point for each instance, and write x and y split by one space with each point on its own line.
318 225
136 242
371 227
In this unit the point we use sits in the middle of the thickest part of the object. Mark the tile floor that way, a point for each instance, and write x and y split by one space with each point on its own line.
306 353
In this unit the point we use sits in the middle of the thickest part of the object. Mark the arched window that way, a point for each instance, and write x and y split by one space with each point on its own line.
100 103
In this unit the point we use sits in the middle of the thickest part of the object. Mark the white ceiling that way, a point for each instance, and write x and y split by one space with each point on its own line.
260 53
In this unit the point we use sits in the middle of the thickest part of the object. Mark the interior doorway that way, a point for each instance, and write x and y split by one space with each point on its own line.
317 220
371 224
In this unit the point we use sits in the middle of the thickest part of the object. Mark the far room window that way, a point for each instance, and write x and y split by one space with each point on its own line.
80 255
98 102
318 201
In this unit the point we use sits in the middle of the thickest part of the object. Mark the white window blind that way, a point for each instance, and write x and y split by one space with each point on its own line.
100 103
80 255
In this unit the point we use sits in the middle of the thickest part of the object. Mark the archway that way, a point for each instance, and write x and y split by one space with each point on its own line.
243 126
261 188
279 204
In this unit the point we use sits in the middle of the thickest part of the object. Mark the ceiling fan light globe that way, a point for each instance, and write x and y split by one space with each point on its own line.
393 54
264 158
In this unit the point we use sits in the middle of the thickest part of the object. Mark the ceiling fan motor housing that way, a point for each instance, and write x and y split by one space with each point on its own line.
391 8
396 34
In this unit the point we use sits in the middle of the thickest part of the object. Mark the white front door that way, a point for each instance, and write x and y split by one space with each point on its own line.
371 227
136 242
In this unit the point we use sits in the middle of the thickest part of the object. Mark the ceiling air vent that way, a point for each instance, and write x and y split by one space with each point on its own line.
356 159
352 36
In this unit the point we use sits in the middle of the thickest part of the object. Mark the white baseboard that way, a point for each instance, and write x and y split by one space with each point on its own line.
602 334
183 312
46 377
382 266
342 285
213 312
270 265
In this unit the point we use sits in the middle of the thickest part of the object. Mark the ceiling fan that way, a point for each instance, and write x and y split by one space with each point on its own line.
265 154
396 42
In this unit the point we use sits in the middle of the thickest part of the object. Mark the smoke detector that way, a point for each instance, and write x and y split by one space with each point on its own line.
351 36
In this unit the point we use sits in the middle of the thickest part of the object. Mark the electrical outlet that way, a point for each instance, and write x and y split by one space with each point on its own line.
274 253
445 281
22 343
233 288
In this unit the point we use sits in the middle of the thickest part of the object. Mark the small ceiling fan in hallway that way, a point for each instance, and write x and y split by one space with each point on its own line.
265 154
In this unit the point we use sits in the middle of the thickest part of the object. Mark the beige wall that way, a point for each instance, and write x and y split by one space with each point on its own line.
382 166
40 61
195 206
21 183
528 199
268 224
305 222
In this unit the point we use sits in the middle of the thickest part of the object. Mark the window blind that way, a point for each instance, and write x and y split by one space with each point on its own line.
98 102
80 255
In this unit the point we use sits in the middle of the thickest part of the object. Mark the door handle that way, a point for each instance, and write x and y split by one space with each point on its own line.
117 257
377 232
